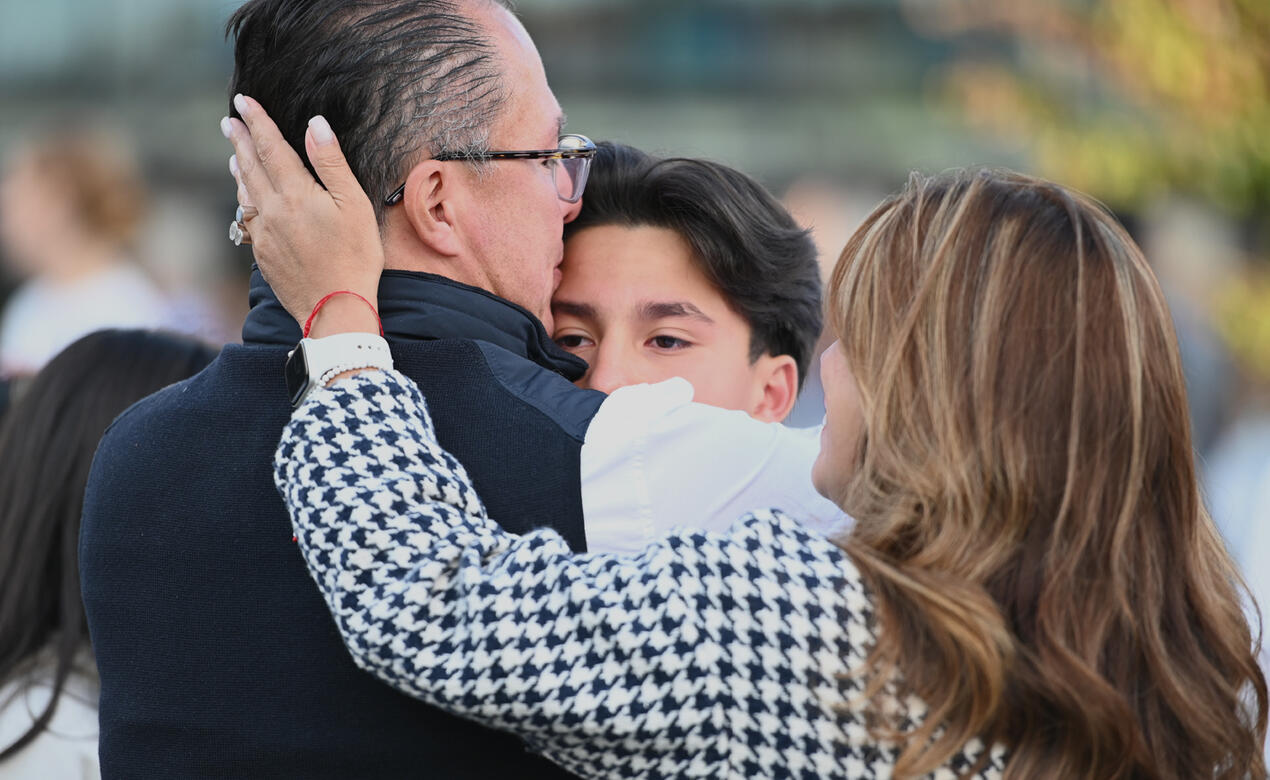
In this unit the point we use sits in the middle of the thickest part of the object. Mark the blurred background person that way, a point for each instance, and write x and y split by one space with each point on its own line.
1239 463
48 686
71 206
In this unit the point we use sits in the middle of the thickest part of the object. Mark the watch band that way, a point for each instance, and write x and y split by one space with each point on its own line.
335 371
314 362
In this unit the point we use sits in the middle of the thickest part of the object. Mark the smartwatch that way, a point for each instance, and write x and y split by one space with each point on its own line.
314 362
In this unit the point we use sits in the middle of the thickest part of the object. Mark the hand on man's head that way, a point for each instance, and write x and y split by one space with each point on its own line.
308 241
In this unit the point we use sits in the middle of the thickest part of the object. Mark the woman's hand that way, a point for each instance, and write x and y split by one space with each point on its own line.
308 241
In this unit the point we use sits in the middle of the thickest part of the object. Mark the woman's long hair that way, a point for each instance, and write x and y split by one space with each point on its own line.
47 441
1026 504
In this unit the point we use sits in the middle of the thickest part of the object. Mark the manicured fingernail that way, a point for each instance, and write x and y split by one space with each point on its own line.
240 103
233 165
225 127
322 133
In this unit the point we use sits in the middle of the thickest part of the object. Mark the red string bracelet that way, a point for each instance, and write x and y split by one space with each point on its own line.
308 324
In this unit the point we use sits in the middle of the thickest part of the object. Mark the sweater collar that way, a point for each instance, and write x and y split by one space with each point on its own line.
419 306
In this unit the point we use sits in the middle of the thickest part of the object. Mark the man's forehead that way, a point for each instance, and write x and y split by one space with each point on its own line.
540 131
535 109
502 11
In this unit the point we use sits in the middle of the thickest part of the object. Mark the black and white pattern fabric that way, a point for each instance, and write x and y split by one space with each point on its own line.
706 655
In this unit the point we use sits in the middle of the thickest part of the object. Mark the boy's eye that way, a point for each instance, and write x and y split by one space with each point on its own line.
669 342
572 341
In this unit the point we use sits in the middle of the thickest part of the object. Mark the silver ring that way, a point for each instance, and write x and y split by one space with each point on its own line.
246 213
238 233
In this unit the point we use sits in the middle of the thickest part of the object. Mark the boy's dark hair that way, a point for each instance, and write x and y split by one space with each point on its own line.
744 241
47 443
393 77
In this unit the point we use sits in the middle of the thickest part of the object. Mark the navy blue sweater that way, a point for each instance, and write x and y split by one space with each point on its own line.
218 657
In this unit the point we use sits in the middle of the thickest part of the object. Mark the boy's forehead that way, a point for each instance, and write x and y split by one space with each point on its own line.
641 276
633 265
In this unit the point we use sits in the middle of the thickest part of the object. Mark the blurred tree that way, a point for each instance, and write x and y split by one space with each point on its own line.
1244 321
1126 99
1131 100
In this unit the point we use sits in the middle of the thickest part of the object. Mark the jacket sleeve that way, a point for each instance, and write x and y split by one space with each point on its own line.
604 663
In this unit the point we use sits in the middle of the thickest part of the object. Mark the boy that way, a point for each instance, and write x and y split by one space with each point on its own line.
688 268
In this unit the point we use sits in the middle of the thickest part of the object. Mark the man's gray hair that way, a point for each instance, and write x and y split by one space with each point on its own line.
397 79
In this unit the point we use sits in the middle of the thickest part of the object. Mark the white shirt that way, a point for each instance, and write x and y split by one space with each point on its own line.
1239 495
67 749
653 460
44 317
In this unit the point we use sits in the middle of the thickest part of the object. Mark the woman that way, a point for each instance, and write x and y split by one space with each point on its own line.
48 687
1032 587
72 204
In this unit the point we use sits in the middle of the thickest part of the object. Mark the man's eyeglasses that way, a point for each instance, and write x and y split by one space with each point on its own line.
570 163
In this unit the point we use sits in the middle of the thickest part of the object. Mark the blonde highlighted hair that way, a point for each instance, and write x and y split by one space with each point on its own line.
96 171
1027 512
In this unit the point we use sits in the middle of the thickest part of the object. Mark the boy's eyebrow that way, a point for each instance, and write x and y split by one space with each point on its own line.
583 311
656 310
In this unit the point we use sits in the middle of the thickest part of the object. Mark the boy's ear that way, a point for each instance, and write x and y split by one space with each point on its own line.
775 388
430 201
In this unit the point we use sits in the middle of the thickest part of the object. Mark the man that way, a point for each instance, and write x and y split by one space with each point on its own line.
217 655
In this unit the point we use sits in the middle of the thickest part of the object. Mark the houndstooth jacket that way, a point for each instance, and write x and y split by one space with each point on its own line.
706 655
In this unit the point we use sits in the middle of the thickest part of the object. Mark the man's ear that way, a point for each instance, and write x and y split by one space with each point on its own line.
430 206
775 387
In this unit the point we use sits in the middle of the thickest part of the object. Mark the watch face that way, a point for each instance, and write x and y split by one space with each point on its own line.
297 372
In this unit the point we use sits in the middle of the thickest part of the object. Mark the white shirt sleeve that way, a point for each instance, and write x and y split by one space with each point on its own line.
653 460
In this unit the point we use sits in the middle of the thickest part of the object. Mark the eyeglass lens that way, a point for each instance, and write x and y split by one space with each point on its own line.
571 172
571 175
